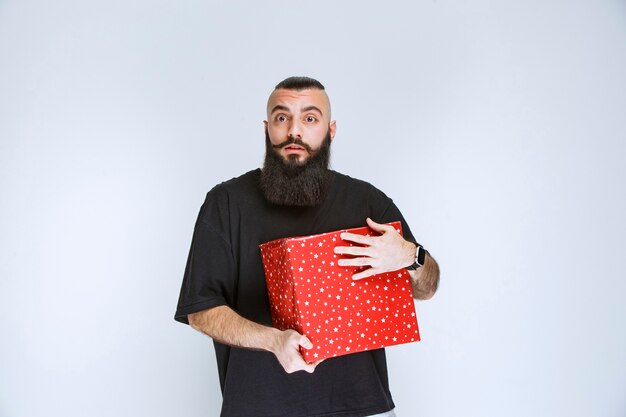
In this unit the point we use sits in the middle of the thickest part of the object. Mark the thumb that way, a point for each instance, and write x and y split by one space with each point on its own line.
380 228
305 342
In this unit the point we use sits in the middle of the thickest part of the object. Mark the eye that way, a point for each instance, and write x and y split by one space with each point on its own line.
281 118
311 119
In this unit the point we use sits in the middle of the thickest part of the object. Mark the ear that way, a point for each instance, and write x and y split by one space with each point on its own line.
332 127
265 123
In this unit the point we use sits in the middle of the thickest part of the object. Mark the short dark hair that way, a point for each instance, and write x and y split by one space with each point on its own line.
299 83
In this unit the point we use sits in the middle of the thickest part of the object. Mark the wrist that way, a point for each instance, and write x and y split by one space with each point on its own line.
272 340
419 258
410 254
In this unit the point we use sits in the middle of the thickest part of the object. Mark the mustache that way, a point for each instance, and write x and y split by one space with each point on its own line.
293 141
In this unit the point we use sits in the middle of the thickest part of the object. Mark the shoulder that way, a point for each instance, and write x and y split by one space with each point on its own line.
232 192
353 192
238 187
348 184
239 184
344 180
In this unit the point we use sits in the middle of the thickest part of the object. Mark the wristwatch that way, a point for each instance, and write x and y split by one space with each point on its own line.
420 256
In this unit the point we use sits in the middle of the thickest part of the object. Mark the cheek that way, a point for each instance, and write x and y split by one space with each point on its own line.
318 134
275 134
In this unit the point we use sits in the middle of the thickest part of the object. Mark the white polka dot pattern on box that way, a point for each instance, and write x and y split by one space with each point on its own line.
310 293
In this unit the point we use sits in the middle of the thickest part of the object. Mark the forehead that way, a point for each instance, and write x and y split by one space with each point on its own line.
295 101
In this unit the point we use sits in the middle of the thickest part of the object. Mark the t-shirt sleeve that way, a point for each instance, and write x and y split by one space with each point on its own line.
209 276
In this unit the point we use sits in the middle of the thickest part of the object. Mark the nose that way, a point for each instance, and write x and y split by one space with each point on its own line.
295 130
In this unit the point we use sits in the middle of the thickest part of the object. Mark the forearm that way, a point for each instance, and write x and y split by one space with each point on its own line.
226 326
425 280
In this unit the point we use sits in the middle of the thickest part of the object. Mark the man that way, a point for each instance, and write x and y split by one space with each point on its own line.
224 293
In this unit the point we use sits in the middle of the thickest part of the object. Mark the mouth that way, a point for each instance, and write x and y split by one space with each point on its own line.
294 149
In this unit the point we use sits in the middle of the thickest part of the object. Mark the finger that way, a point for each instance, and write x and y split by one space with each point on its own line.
298 364
351 237
366 261
314 364
364 274
380 228
305 366
352 250
309 368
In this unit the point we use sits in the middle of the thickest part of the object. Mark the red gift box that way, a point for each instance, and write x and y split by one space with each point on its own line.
311 294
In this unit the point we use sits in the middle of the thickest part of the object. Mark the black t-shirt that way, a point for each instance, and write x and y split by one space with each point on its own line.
225 268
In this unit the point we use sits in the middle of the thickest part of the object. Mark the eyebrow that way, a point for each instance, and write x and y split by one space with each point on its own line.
280 107
309 108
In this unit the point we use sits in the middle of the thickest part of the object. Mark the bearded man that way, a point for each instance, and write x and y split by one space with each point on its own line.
224 294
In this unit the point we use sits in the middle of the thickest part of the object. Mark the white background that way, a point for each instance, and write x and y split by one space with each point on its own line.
498 128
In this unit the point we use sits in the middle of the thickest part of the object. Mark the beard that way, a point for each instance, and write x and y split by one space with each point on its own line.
296 183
